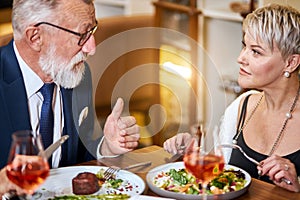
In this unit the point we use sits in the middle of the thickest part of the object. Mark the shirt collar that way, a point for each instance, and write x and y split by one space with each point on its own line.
31 80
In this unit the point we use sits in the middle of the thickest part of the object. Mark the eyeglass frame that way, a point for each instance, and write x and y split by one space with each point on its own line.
84 37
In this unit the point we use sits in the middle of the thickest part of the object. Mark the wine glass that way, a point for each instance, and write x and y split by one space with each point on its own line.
204 159
27 166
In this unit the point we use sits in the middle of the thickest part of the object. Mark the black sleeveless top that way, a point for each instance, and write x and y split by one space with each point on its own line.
239 160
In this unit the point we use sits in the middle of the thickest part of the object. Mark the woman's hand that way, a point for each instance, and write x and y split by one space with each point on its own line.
121 133
278 168
172 144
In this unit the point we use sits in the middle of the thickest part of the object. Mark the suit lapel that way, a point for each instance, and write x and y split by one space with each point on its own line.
70 148
14 113
15 96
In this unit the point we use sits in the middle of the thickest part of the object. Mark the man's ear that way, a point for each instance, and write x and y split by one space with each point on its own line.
293 62
33 38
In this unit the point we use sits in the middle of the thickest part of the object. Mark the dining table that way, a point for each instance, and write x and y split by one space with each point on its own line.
258 190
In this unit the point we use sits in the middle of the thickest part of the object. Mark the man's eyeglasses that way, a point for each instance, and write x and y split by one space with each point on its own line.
83 36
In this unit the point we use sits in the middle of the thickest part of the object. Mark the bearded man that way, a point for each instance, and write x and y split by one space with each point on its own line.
52 39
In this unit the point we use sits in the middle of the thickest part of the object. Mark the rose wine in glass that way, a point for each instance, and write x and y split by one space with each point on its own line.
204 161
27 167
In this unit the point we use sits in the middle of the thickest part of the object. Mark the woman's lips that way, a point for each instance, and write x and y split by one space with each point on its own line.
244 72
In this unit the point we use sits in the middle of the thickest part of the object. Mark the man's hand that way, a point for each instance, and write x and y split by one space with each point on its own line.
121 133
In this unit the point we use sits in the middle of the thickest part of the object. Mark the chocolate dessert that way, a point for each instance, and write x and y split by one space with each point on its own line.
85 183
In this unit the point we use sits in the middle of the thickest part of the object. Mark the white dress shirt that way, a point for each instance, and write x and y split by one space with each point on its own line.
33 83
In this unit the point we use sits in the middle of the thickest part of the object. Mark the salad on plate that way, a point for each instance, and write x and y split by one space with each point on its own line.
180 181
173 181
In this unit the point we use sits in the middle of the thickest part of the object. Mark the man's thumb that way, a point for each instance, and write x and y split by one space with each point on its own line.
118 108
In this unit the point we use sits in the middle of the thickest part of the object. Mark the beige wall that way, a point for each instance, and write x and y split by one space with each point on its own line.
294 3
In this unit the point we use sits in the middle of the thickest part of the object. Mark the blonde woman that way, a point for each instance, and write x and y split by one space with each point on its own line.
268 127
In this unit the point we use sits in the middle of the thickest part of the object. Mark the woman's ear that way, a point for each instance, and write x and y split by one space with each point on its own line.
293 62
34 38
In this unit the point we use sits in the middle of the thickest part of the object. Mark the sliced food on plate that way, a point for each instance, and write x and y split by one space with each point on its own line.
87 182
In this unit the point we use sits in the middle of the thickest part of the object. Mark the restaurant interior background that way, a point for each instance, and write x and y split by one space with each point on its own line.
204 76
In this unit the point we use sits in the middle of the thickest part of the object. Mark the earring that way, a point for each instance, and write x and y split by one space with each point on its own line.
286 74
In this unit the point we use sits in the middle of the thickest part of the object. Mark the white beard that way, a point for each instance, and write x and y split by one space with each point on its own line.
67 74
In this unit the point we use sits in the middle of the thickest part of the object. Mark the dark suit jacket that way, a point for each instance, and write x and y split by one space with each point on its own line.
14 114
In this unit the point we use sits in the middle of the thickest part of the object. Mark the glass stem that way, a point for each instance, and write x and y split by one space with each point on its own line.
204 195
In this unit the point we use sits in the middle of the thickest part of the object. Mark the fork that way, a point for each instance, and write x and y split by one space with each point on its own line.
234 146
112 170
109 172
178 155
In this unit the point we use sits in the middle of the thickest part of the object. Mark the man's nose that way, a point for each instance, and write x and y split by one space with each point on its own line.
90 46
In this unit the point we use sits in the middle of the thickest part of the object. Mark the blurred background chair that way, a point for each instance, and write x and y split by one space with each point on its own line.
145 96
5 33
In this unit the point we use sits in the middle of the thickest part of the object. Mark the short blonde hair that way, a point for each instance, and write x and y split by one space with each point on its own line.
275 25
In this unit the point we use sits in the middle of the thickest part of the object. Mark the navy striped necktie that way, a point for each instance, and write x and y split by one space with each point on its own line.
47 117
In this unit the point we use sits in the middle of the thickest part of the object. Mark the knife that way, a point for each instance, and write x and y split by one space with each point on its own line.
142 164
177 156
49 151
174 158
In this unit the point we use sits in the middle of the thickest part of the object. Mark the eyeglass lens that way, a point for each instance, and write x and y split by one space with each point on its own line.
86 36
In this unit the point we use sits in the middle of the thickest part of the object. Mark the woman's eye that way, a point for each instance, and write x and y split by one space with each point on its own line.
243 44
255 52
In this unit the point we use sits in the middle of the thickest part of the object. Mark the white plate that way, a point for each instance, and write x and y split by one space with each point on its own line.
59 182
179 165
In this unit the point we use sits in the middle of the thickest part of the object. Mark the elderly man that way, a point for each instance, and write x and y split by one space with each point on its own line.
52 39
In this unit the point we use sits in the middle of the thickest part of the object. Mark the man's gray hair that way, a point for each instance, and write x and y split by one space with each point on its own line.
29 12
